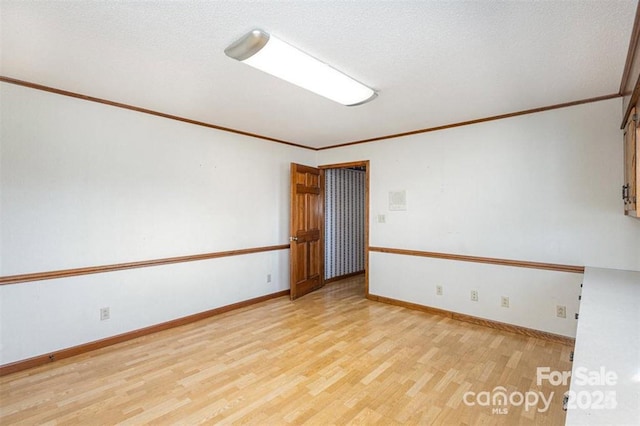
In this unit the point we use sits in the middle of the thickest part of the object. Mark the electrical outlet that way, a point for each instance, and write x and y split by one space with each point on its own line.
504 301
439 290
474 295
382 218
561 311
104 314
268 278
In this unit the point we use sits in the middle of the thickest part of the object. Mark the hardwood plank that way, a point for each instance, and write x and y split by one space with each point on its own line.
348 360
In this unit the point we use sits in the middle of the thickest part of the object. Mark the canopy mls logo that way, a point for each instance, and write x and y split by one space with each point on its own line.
500 400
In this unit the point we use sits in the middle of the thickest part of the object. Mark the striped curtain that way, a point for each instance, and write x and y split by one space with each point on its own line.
344 222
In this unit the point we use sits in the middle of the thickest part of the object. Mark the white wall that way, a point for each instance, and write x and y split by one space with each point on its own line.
542 187
84 184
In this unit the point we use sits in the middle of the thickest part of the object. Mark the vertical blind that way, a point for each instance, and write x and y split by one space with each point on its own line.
344 222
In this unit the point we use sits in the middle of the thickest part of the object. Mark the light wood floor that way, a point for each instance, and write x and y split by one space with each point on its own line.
331 357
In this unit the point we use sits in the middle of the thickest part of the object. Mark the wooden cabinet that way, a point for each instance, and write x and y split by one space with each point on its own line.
631 169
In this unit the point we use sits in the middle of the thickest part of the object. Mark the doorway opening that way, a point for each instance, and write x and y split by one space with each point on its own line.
345 231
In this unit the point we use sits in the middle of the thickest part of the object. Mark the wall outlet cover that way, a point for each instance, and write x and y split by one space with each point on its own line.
104 314
561 311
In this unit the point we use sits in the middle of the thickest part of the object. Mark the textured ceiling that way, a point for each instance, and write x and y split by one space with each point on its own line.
433 62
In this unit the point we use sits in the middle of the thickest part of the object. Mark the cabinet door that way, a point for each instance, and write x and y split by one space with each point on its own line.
630 188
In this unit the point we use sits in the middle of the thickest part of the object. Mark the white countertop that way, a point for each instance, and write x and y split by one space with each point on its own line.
606 363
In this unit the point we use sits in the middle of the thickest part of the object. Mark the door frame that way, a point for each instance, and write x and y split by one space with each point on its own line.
366 165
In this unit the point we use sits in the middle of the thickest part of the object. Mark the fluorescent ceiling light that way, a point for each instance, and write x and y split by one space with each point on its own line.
271 55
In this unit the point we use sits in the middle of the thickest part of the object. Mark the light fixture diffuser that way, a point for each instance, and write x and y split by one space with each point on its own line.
272 55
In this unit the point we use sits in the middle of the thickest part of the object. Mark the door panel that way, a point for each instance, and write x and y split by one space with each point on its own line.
305 228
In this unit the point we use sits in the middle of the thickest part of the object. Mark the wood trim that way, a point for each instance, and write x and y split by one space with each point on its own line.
98 344
556 338
631 52
36 86
64 273
477 259
367 226
323 221
633 101
477 121
345 276
49 89
345 165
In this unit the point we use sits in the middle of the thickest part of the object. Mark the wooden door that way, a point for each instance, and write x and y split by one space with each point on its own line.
629 190
306 225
